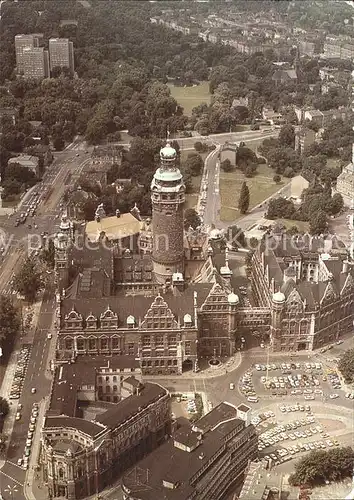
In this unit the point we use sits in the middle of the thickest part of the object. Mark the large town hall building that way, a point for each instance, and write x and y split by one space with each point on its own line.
166 296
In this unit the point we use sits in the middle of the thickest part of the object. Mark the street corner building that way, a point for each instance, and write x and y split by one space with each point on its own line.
87 443
167 296
200 461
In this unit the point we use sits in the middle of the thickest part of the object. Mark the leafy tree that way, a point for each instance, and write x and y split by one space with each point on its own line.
318 223
48 253
58 143
3 440
337 203
346 366
4 408
289 172
244 199
191 218
226 165
251 170
28 281
9 323
280 208
277 179
318 467
194 163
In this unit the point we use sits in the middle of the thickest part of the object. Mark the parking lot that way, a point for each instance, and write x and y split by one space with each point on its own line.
20 372
288 431
308 381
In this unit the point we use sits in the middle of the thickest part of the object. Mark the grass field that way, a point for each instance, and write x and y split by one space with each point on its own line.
302 226
261 186
190 97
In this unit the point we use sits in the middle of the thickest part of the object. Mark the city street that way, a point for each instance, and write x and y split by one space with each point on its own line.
18 242
212 205
37 377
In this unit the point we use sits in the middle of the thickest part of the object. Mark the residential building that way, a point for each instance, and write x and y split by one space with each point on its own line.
304 137
199 461
322 118
35 63
345 183
61 54
28 161
338 48
284 76
101 419
41 151
24 42
274 117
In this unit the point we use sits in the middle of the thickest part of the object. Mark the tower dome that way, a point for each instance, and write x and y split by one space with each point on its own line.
233 299
168 152
278 297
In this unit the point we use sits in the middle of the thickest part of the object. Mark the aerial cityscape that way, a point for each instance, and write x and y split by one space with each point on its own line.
176 250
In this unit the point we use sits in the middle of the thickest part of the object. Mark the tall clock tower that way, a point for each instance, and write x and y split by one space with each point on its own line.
167 196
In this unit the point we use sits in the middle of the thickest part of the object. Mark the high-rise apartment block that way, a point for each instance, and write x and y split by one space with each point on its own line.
23 42
61 53
35 63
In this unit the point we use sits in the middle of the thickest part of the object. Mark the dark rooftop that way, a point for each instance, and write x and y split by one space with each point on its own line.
222 412
92 429
131 405
171 464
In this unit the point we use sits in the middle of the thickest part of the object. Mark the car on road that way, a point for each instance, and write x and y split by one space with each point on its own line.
18 416
49 336
334 396
33 390
29 442
19 462
232 386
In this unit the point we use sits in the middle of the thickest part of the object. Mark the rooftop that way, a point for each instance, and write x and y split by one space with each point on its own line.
113 227
168 471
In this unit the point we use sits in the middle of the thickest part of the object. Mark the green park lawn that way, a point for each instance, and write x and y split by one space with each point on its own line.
261 186
301 225
190 97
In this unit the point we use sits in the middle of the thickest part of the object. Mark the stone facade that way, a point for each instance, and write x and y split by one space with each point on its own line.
80 455
310 293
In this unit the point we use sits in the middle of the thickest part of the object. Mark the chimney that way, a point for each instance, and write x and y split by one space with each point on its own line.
345 266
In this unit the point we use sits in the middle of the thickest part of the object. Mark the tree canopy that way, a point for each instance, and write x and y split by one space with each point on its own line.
9 323
244 199
28 281
346 366
191 219
318 467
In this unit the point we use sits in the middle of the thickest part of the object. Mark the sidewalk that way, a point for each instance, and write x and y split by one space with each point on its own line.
4 392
